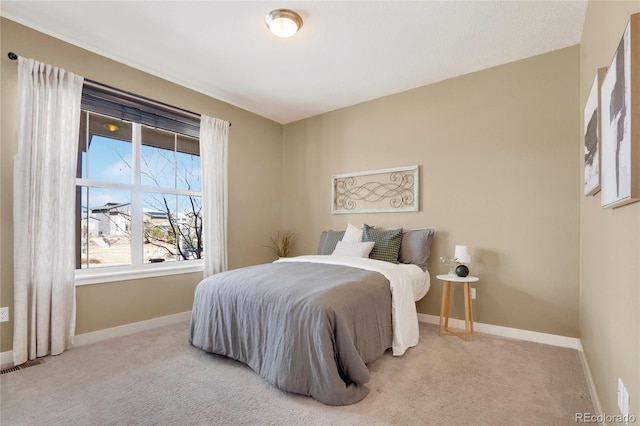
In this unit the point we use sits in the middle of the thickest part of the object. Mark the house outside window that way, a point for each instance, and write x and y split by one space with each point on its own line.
139 196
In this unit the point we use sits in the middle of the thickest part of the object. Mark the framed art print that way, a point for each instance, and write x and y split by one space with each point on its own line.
592 137
620 121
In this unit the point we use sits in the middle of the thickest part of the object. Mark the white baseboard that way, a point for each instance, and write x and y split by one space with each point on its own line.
6 358
591 384
124 330
513 333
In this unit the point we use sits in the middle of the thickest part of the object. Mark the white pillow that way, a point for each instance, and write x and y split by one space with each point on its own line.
353 249
352 234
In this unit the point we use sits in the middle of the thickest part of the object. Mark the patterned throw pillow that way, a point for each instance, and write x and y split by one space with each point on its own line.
330 241
387 243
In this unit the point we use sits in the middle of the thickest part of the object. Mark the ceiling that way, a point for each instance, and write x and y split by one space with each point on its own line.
347 52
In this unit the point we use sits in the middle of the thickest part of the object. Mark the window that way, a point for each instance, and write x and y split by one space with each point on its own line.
139 189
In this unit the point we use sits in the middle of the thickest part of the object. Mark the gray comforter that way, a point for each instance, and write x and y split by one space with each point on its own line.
307 328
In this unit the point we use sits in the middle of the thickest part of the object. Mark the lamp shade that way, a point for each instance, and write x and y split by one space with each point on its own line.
462 254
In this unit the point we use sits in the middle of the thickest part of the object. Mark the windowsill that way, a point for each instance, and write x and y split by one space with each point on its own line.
106 275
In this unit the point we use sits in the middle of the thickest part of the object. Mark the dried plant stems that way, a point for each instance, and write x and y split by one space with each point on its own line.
282 243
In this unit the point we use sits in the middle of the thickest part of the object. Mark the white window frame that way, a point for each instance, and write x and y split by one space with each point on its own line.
137 269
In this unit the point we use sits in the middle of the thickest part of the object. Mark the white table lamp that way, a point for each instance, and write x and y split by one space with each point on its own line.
462 255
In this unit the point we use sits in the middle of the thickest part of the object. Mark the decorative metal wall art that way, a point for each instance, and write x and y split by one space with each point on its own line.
375 191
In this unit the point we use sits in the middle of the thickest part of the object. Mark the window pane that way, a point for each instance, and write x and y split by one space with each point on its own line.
83 227
158 160
81 170
169 160
189 220
188 164
172 227
159 232
106 227
109 149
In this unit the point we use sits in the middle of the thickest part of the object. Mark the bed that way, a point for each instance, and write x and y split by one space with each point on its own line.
310 324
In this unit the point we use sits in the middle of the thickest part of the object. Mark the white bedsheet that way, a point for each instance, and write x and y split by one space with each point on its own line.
404 317
420 280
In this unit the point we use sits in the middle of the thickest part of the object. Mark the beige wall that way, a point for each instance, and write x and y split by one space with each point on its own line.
498 172
610 243
255 164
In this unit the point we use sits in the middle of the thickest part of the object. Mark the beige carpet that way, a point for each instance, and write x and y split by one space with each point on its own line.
156 377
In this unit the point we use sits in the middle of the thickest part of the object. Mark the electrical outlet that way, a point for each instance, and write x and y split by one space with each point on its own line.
620 393
473 293
4 314
625 405
623 399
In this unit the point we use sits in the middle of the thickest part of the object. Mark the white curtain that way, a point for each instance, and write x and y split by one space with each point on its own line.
214 138
44 197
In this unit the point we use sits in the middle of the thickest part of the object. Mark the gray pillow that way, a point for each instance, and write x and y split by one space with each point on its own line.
387 243
330 241
416 246
323 236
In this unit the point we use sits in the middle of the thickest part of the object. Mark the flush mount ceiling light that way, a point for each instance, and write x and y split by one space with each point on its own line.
283 22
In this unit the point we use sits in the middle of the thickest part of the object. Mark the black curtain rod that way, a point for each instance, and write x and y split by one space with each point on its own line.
14 57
